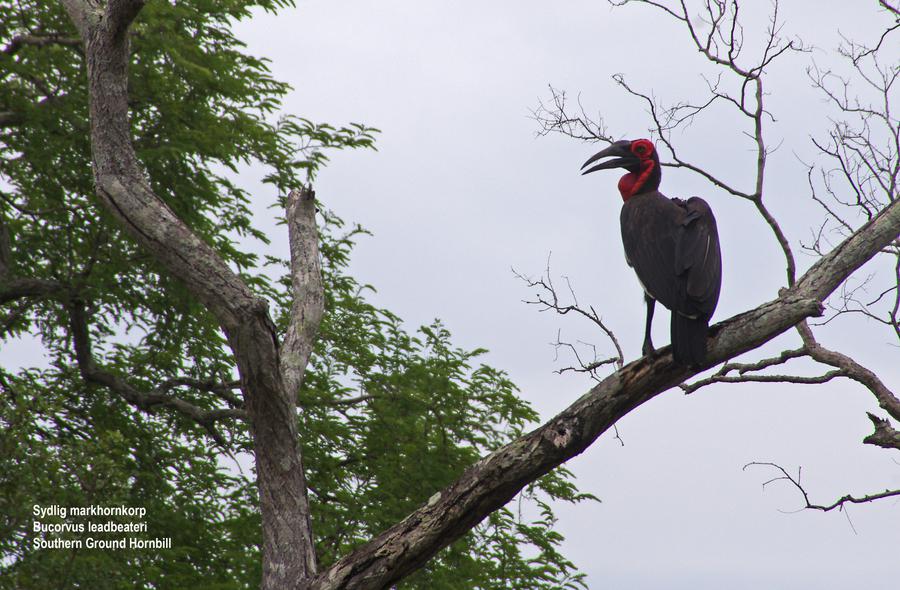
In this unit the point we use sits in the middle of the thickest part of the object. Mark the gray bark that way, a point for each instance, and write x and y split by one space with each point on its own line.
288 553
270 374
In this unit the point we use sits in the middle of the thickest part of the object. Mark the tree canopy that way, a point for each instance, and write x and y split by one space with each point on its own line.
135 400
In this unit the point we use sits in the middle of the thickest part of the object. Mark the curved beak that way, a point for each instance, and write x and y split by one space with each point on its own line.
619 150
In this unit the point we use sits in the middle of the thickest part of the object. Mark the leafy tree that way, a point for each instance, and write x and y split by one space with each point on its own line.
154 313
136 403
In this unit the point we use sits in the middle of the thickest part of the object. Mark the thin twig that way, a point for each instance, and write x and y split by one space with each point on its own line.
839 503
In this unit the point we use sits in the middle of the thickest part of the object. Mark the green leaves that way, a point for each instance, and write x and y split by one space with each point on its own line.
388 415
388 418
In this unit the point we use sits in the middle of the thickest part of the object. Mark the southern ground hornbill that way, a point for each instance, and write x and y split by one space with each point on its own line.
672 245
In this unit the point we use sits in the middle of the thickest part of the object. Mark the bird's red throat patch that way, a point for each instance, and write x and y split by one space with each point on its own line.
632 182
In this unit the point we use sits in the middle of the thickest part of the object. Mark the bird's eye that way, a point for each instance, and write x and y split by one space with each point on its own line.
642 148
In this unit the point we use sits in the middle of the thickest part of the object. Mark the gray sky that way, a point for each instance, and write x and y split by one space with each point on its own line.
460 191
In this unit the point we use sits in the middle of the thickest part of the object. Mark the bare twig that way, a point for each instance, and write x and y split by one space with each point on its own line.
554 118
839 503
799 379
583 367
547 298
890 7
722 45
722 375
863 151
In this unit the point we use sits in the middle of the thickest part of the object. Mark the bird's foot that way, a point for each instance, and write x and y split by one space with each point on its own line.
648 349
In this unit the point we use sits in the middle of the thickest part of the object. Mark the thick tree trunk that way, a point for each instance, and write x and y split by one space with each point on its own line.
288 553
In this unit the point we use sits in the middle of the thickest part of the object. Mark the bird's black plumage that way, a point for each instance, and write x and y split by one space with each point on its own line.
673 246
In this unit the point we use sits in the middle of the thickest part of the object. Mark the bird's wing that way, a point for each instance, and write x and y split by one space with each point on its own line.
649 231
698 260
673 247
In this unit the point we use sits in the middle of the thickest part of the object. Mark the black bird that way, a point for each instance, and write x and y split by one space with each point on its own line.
672 245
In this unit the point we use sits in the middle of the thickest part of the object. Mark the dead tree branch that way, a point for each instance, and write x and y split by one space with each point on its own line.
839 503
885 435
722 46
863 151
547 298
308 291
852 369
554 118
722 375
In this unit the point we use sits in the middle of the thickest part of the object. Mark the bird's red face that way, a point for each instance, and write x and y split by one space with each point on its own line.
643 149
638 157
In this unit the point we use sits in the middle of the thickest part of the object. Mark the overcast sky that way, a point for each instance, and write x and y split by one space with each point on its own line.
460 191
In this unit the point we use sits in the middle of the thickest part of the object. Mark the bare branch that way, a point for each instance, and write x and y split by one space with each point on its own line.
744 373
308 291
884 436
662 128
799 379
886 398
583 367
889 7
555 119
722 46
839 503
547 299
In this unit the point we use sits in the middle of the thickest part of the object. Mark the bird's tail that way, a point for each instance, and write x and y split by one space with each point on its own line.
689 339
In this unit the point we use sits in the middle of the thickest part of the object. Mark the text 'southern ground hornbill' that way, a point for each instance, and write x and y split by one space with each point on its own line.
672 245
